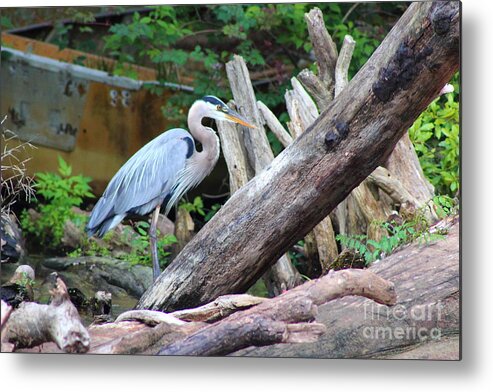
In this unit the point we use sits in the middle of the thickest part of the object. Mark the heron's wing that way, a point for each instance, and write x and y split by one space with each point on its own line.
145 179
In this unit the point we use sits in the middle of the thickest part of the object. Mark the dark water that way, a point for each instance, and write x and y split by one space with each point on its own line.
121 301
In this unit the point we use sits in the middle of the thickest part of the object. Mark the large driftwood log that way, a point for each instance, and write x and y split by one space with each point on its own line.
272 321
426 278
356 134
33 324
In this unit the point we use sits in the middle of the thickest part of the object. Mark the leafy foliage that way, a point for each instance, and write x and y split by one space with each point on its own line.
435 135
398 235
140 247
197 208
61 192
445 206
195 41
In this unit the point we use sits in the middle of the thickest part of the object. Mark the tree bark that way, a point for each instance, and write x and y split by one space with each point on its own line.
282 275
320 245
307 180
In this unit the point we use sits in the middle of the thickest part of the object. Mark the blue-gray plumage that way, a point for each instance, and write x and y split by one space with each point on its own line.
162 171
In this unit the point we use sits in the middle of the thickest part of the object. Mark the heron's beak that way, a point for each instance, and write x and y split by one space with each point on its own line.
237 118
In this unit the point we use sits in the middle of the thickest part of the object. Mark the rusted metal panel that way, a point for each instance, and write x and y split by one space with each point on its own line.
43 106
93 120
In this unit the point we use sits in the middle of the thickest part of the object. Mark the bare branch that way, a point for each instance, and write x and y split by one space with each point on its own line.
315 88
343 63
274 125
323 46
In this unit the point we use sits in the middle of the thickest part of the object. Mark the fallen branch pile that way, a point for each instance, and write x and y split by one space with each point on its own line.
424 278
222 327
33 324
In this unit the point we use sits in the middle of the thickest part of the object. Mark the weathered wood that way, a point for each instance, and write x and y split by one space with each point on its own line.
269 322
321 248
132 337
149 317
235 154
393 187
184 228
274 125
343 63
315 88
403 163
426 278
309 110
221 307
323 46
308 179
225 338
33 324
281 276
284 275
257 145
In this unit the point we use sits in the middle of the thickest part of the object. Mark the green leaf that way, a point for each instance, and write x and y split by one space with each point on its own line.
64 169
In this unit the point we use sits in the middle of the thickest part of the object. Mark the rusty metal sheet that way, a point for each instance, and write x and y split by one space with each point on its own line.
95 121
43 106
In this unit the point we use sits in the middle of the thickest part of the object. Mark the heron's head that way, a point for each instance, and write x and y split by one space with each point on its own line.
218 110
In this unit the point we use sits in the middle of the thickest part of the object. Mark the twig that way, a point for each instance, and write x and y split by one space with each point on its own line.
346 15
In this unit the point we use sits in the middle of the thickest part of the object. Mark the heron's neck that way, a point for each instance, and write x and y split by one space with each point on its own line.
206 136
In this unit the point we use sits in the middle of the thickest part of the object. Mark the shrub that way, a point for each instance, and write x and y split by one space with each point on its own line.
435 135
60 192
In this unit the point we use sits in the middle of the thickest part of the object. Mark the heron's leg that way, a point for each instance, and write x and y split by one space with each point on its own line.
156 271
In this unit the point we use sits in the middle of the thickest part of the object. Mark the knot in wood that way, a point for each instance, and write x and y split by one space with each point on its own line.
336 134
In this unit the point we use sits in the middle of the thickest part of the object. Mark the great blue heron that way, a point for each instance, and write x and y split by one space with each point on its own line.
162 171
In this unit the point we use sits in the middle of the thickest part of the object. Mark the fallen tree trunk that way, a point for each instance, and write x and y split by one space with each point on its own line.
426 278
308 179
